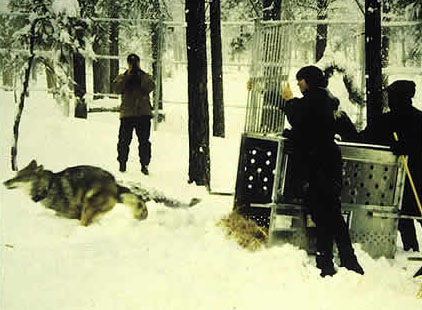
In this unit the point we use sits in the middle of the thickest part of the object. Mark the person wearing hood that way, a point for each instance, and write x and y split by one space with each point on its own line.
406 121
312 138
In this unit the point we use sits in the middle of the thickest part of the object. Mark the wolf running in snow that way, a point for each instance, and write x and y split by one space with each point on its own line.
85 192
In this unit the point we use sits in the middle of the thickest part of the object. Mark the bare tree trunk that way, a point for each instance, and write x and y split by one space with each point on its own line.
155 37
114 44
101 67
385 41
217 70
155 72
199 152
321 35
14 149
373 60
79 74
403 48
271 9
50 75
7 75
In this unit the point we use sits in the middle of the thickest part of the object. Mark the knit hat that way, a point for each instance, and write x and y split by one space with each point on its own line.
402 88
313 76
133 59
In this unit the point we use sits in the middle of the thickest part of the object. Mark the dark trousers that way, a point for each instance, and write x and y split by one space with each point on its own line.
325 181
406 226
142 126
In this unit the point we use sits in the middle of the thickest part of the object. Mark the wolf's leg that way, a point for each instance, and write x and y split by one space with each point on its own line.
96 205
138 206
141 211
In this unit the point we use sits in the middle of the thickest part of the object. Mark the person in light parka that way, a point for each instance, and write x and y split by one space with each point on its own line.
135 87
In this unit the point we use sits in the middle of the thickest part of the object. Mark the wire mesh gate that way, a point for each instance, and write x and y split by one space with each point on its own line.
271 54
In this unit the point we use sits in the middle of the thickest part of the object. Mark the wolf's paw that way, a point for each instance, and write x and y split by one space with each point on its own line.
194 201
141 213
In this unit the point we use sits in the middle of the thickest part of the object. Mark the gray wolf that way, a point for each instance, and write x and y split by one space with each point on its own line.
84 192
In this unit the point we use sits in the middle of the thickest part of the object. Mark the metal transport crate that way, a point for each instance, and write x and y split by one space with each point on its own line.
373 180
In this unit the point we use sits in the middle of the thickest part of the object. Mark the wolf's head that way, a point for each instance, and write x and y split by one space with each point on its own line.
25 177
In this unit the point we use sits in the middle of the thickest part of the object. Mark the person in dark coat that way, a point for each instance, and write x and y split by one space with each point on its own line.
406 121
135 112
343 125
312 136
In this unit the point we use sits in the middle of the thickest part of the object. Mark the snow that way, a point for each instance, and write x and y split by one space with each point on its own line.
175 259
67 7
4 6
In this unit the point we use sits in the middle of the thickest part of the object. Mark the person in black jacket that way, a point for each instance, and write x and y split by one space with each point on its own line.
406 121
343 125
312 136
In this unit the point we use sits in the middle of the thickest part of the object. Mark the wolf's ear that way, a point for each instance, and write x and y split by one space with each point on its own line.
33 164
40 168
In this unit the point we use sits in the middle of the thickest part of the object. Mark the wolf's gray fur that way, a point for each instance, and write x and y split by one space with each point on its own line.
84 192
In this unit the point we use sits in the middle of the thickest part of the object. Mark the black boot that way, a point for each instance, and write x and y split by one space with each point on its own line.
122 167
350 262
144 169
413 247
325 263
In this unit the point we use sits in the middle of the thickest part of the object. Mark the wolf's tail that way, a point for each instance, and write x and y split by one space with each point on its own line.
172 203
133 201
148 195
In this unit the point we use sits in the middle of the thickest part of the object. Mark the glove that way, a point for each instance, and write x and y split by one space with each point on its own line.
287 93
249 85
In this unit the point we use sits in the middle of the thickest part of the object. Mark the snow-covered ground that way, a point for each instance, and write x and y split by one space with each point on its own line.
175 259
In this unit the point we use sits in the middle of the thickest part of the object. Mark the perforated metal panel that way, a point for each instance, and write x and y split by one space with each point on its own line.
377 235
288 225
369 176
373 181
256 176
